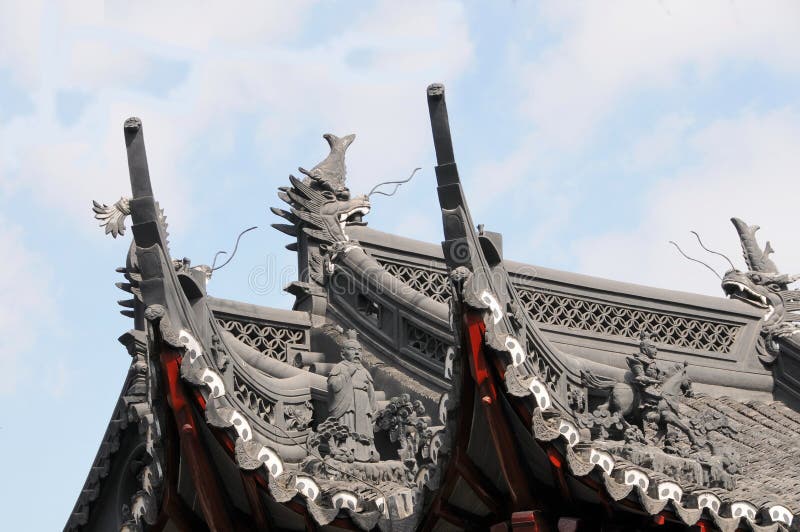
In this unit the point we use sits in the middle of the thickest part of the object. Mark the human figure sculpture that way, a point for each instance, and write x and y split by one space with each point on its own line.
645 373
646 403
657 407
352 400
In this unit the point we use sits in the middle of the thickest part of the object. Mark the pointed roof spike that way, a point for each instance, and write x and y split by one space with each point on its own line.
124 286
287 229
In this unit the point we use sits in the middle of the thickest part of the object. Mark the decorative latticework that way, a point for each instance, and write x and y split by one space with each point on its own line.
614 320
272 341
255 402
586 315
425 343
429 282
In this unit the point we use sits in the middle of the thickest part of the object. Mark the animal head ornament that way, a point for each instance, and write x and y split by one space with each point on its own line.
763 286
321 205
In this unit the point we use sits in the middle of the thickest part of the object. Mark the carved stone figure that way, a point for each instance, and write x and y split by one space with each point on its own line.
654 386
352 400
645 405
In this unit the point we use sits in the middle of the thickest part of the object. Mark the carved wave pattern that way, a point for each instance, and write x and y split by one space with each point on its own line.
425 343
585 315
614 320
431 283
270 340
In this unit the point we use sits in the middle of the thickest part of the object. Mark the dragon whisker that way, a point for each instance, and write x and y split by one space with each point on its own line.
233 254
396 183
712 251
695 260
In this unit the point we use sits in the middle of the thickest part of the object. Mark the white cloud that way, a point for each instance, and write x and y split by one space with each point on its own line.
662 145
747 168
284 89
96 64
610 50
207 24
605 52
26 306
20 44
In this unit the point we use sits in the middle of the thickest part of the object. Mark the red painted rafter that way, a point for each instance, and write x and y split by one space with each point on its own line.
505 445
482 379
173 507
206 485
478 483
257 510
460 443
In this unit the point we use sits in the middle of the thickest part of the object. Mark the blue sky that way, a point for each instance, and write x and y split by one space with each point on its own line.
589 134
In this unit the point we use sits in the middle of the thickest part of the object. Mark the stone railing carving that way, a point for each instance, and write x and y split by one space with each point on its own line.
426 344
271 340
586 315
432 283
255 402
615 320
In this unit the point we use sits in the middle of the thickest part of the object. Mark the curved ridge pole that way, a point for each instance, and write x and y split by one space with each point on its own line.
137 158
451 196
440 124
144 215
463 247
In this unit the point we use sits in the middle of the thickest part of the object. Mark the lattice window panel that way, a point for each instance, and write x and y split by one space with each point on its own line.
431 283
268 339
585 315
602 318
425 343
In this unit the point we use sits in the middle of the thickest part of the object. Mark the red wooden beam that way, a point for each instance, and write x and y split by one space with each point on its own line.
505 444
257 510
460 444
557 470
206 484
480 485
173 507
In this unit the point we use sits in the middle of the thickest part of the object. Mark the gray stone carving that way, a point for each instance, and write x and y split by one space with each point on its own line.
644 406
330 173
585 315
645 421
272 341
764 287
352 402
406 424
321 428
321 208
113 217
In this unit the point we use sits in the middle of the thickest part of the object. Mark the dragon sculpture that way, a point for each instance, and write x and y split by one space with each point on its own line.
764 287
321 208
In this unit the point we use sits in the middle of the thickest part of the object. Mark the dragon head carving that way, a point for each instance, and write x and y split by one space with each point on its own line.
320 213
321 205
763 286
